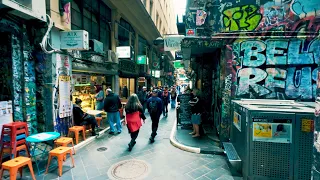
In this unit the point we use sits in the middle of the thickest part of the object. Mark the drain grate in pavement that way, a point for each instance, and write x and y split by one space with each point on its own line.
100 149
129 169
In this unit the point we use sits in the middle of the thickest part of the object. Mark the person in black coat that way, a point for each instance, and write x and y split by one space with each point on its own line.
81 118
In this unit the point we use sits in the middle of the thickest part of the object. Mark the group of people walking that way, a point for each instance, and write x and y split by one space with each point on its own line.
155 101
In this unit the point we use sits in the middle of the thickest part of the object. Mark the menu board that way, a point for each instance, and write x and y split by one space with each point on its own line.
184 109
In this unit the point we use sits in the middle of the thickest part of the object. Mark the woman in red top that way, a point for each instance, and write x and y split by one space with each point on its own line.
133 115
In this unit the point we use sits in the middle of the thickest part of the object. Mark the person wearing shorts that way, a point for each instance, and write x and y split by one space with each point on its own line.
196 110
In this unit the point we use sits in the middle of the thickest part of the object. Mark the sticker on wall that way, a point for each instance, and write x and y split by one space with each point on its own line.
237 120
307 125
272 132
201 17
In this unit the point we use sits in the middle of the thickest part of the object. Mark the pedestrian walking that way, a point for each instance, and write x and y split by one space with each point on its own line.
173 97
165 100
155 106
112 104
99 99
133 113
142 95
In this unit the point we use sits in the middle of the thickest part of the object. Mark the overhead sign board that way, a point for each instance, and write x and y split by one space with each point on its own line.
74 40
123 52
178 55
178 64
141 59
173 42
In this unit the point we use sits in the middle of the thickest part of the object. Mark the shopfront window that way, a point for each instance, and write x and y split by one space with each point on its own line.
125 30
84 88
127 87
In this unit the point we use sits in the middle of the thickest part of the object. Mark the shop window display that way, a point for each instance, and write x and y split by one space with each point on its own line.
84 89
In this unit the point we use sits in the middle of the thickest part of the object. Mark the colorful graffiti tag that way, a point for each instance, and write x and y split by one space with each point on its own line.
242 18
281 69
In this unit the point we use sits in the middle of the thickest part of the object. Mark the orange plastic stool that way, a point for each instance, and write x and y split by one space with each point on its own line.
16 164
65 141
99 119
18 149
60 153
76 130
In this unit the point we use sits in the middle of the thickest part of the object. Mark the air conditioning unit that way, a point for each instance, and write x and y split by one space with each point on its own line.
27 9
112 56
96 46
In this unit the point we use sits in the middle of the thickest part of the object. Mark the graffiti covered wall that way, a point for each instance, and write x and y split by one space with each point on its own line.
276 68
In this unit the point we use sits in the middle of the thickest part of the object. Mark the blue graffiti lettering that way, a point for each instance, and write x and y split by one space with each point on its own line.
285 70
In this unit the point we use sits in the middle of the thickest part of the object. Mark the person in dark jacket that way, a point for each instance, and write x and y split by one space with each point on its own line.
125 92
165 100
154 105
112 104
142 95
81 118
196 109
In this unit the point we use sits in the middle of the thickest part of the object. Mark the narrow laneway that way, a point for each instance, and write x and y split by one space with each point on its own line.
163 161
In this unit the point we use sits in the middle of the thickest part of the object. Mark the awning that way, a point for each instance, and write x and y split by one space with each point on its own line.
92 68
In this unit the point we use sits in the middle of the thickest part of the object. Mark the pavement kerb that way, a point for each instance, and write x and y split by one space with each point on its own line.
175 143
92 138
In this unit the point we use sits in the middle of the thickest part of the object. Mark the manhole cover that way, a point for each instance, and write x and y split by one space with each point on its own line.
129 169
102 149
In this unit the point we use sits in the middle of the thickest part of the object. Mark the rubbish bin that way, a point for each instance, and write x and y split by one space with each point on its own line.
271 139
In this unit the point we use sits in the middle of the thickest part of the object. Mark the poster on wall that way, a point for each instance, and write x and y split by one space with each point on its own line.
64 96
237 120
272 132
5 113
63 62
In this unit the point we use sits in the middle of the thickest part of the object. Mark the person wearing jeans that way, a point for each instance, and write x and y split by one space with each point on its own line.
112 104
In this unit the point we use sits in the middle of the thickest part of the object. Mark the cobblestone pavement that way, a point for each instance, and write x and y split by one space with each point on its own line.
163 161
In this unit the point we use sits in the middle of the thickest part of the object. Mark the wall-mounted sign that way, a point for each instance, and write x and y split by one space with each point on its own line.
74 40
141 59
124 52
178 55
191 32
173 42
142 79
157 74
178 64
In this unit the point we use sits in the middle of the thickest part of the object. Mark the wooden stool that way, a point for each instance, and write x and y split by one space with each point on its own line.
16 164
76 130
60 153
99 119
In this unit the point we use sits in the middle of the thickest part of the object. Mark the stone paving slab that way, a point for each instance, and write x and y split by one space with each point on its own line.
164 160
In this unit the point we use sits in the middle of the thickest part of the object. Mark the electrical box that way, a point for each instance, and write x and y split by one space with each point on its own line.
27 9
74 40
96 46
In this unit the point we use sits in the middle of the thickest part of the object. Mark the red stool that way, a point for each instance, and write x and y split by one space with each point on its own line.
13 135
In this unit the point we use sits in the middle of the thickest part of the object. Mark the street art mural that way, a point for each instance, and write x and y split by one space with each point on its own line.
277 69
245 17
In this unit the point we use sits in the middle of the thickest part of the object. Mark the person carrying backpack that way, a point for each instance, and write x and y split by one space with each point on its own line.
154 105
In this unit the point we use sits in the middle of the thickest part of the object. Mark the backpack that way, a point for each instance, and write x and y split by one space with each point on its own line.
153 106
